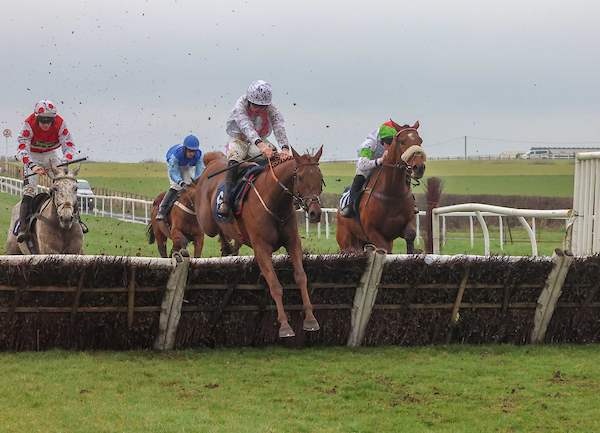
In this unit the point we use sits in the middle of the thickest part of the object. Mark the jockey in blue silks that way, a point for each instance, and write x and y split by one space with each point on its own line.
185 163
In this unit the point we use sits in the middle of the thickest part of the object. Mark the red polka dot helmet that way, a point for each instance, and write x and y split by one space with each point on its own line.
45 108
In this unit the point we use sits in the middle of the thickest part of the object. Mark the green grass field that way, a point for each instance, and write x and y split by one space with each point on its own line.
335 389
507 177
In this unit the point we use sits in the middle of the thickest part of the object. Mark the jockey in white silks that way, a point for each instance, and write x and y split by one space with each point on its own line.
252 119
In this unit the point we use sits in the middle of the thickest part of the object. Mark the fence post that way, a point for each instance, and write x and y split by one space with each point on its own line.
170 310
365 295
549 297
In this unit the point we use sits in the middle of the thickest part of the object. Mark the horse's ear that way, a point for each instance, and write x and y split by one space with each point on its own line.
53 167
319 153
416 125
76 169
295 155
396 126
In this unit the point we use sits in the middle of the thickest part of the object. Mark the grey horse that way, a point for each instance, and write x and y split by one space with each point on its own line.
56 230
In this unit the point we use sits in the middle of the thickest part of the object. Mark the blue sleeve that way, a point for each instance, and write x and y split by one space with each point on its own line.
199 167
174 173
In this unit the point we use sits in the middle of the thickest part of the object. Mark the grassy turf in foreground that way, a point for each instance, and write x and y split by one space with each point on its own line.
464 388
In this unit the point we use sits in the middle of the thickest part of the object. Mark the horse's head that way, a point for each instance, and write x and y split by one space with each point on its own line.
407 146
308 184
64 194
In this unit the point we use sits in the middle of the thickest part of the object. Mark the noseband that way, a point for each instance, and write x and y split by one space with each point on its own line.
306 201
406 163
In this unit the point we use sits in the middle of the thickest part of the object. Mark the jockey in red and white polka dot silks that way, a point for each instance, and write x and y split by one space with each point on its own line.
43 133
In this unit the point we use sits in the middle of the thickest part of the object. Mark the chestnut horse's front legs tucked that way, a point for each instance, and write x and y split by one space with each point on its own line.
263 254
295 252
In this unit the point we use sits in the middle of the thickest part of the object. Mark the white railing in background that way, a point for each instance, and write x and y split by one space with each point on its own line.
586 204
478 210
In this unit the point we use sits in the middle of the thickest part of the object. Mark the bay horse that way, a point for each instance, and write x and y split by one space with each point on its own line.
386 210
57 229
268 220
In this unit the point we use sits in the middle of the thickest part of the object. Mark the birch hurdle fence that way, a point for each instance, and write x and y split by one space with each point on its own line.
370 299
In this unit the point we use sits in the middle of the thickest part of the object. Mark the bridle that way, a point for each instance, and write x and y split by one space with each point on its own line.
306 201
404 163
54 191
303 202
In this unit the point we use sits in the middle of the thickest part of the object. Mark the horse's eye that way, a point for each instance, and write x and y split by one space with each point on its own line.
300 178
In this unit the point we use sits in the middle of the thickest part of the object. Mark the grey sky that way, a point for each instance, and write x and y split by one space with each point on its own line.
133 77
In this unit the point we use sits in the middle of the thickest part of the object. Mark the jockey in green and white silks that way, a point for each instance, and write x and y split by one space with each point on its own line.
371 154
185 163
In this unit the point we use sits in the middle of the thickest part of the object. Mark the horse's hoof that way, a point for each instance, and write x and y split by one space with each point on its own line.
311 325
184 253
286 331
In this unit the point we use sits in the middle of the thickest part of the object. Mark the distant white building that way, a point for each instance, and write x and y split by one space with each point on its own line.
556 152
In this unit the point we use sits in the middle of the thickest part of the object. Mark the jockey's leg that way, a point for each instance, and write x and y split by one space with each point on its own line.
230 178
357 184
23 234
164 204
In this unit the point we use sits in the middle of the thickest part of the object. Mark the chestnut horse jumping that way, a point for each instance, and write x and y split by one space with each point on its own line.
386 209
268 220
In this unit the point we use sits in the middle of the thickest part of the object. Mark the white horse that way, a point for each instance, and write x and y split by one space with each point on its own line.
57 229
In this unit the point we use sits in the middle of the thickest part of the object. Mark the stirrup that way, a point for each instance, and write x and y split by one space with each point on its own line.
84 228
223 210
23 236
160 216
347 211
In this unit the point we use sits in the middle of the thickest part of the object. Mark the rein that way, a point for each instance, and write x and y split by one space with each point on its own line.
303 202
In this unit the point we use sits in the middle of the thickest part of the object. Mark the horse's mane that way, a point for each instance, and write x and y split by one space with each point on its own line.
279 158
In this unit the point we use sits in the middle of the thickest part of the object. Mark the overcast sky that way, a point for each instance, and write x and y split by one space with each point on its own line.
133 77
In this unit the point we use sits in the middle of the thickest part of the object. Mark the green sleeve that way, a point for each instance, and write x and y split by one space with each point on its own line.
366 153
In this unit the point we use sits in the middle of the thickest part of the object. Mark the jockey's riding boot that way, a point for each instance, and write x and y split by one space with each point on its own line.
230 178
357 184
23 234
164 204
84 228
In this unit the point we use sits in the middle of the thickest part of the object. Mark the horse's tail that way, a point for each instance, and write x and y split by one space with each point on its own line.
150 234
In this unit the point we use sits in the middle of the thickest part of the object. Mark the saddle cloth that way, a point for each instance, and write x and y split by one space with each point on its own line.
238 194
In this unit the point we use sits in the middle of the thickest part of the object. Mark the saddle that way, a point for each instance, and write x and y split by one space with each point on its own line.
237 194
34 207
345 198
